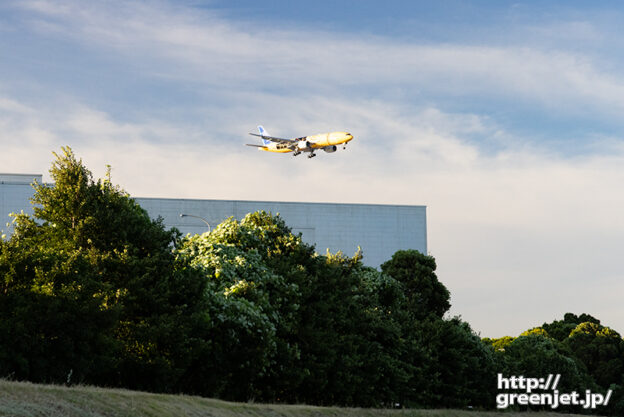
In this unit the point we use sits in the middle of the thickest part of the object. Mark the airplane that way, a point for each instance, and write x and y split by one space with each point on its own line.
324 141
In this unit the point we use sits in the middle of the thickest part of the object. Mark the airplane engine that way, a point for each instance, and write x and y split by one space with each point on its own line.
330 149
303 144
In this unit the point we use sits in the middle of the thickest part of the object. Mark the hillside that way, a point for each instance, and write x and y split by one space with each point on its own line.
32 400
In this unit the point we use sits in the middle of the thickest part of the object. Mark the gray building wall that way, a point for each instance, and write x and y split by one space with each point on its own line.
15 194
380 230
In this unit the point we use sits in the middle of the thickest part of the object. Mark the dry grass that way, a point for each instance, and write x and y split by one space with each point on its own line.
22 399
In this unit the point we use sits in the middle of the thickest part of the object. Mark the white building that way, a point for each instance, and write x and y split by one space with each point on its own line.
380 230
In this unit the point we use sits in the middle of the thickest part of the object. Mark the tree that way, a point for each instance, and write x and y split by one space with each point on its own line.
535 331
498 344
93 290
601 350
289 325
458 369
416 272
351 336
259 264
55 325
243 317
560 329
537 356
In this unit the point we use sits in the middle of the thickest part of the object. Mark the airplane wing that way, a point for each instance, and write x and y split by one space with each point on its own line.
257 146
274 139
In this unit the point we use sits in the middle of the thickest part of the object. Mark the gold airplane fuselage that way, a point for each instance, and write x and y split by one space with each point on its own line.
317 141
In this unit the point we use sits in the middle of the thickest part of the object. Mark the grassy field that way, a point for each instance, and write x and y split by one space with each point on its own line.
25 399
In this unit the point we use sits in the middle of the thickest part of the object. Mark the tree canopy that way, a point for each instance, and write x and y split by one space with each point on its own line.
92 291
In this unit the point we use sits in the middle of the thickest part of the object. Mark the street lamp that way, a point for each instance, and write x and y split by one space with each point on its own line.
197 217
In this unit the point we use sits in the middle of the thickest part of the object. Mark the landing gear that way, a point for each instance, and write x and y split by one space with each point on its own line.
312 155
296 153
344 146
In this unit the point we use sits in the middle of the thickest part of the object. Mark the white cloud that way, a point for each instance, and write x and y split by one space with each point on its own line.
202 47
573 30
9 105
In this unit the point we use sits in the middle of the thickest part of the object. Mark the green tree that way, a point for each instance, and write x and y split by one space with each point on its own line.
535 331
257 264
601 350
537 356
55 325
459 368
500 343
243 317
314 329
351 334
93 290
560 329
426 295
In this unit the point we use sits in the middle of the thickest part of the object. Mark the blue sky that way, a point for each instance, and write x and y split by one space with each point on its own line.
504 118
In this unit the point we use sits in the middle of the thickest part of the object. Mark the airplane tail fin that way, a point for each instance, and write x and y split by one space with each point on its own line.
263 132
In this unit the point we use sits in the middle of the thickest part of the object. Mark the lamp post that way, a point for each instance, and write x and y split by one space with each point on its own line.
197 217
